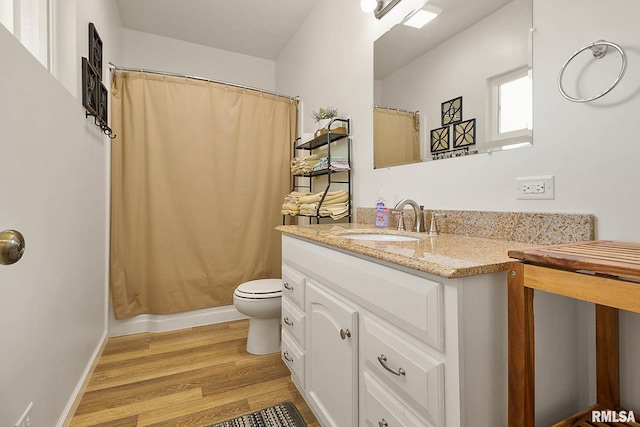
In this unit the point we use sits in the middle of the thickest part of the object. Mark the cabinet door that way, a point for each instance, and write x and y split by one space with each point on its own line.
332 359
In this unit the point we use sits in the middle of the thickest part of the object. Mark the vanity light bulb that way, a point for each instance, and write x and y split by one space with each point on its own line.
368 5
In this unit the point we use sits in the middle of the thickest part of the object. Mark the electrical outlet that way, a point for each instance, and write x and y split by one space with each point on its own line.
25 419
533 187
536 187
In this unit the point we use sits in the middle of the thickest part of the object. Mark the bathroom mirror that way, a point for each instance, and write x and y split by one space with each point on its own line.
459 85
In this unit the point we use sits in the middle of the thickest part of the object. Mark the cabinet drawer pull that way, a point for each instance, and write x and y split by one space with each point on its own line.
383 423
287 357
287 286
287 321
344 333
383 361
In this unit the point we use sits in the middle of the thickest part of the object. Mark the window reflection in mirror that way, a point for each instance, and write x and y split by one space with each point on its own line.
514 108
459 54
510 108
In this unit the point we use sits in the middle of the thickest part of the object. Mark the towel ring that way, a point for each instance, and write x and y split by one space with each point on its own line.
599 50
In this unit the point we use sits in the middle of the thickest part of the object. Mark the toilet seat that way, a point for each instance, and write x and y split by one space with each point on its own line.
260 289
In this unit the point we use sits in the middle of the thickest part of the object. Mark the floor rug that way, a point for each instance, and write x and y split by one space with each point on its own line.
282 415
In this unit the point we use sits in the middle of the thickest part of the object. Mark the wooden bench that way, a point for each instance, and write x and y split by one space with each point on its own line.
606 273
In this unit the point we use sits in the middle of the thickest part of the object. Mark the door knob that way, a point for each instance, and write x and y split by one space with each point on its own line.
11 246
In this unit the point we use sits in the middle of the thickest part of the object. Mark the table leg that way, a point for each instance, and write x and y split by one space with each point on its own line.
607 357
521 349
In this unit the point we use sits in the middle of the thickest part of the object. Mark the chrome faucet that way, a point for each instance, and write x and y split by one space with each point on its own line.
418 210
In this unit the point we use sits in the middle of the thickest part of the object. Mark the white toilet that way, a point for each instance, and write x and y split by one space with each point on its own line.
261 300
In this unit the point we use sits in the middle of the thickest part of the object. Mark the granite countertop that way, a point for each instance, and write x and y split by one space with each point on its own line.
445 255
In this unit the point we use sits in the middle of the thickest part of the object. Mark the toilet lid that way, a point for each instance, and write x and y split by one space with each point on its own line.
262 288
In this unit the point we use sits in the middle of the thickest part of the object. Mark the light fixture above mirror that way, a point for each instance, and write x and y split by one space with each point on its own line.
379 7
421 17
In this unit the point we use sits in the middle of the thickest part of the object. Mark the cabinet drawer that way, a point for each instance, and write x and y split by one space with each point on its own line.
404 365
293 357
293 320
293 285
382 409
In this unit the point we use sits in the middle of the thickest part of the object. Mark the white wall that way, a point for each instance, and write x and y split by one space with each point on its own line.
152 52
590 148
54 190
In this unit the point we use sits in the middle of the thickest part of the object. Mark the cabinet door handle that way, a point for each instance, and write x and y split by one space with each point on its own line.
287 357
383 361
344 333
287 321
287 286
383 423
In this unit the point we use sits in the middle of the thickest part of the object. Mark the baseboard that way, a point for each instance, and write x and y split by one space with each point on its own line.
170 322
76 397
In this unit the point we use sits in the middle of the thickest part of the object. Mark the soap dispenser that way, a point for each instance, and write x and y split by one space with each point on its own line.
382 213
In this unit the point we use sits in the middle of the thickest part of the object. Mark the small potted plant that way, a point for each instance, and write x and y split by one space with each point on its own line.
323 116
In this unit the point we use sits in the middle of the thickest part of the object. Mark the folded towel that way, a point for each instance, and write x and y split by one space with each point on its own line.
301 165
308 209
331 196
335 211
335 204
291 203
336 163
339 165
336 198
311 198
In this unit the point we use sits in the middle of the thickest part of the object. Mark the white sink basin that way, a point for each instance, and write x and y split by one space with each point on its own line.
380 237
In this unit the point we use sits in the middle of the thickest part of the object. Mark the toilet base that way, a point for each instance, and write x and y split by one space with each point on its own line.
264 336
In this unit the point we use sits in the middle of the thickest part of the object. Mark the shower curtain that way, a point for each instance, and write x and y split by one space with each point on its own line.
396 137
198 174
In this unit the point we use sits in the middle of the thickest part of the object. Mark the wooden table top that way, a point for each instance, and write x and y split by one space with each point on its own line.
605 257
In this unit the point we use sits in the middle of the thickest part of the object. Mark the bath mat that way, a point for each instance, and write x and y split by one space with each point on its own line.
282 415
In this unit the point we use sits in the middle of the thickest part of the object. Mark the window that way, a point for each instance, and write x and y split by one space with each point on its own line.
28 20
510 111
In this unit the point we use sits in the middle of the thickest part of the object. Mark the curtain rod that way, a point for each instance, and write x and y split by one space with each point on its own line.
113 67
395 109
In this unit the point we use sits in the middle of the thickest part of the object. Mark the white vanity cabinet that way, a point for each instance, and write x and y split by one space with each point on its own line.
387 346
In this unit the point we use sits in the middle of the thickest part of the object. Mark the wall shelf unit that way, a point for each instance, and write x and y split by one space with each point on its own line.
336 180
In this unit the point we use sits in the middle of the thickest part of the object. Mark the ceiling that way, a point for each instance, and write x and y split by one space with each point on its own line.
260 28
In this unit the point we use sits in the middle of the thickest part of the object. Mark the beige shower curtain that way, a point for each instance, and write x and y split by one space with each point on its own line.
396 137
199 171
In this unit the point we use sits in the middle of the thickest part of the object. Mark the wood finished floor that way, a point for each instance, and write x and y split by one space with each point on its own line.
190 377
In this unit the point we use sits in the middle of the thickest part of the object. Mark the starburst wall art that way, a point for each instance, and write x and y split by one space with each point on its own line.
451 111
440 139
464 133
